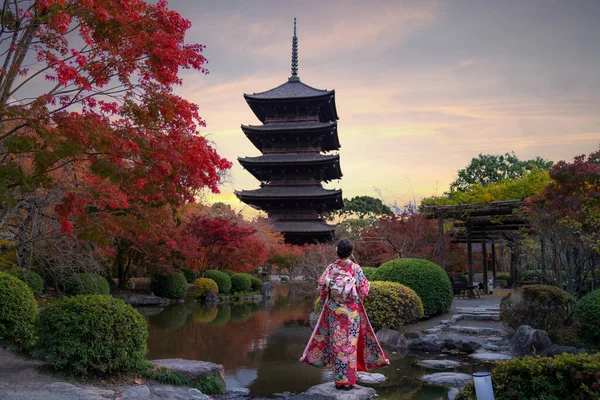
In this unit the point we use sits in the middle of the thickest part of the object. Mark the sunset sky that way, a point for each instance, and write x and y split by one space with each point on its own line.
421 86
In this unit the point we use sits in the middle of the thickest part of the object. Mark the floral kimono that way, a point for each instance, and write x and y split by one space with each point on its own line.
343 338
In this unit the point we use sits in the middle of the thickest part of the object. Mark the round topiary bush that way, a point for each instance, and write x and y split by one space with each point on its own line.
539 306
190 275
427 279
112 285
240 283
92 334
204 286
587 316
32 279
392 305
256 284
18 311
170 286
221 278
229 272
369 272
86 283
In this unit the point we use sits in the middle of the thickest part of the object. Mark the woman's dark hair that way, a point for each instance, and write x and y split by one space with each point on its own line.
344 248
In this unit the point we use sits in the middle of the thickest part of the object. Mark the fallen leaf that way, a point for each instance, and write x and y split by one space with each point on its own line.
138 381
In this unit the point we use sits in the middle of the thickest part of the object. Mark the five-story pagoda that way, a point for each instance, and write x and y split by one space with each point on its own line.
299 125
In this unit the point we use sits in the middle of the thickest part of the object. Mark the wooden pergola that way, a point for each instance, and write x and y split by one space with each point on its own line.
478 223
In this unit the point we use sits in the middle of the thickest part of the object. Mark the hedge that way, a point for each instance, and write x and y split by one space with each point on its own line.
565 376
32 279
587 316
170 286
92 334
86 283
221 278
18 311
369 272
240 283
229 272
256 284
392 305
428 280
204 286
190 275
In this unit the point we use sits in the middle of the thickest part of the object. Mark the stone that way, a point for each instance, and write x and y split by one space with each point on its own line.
430 343
192 369
436 330
447 379
136 392
461 343
329 391
490 357
267 290
210 298
178 393
413 335
370 378
489 331
528 341
439 364
557 349
392 338
143 300
239 391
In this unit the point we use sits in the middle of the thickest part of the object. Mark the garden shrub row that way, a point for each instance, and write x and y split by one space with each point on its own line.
170 286
86 283
32 279
232 282
18 311
222 280
369 272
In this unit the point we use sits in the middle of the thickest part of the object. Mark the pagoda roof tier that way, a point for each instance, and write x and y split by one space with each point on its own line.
289 197
258 134
262 166
314 226
292 93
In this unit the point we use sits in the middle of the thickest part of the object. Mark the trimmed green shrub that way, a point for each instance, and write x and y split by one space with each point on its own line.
221 278
18 311
428 280
539 306
229 272
565 376
91 334
240 283
32 279
170 286
369 272
504 277
256 284
204 286
190 275
86 283
587 316
392 305
112 285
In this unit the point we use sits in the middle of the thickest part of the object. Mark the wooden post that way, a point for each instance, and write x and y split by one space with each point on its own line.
484 263
469 256
494 261
441 240
513 263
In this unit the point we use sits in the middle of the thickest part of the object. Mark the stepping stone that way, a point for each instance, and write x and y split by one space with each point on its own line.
192 369
439 364
370 378
490 357
447 379
329 391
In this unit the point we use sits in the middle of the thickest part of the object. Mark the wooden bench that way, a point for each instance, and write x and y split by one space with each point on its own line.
465 291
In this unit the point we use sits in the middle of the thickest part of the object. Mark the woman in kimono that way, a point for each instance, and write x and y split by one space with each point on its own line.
343 337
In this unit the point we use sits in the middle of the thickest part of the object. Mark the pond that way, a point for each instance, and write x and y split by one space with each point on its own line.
259 346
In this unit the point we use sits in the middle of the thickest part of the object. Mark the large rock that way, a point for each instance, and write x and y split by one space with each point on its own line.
448 379
370 378
430 343
392 339
461 343
136 393
267 290
210 299
557 349
439 364
528 341
489 357
144 300
193 369
329 391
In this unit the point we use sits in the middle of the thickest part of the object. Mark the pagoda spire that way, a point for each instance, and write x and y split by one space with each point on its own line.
294 77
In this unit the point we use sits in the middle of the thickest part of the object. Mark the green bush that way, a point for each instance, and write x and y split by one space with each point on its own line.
32 279
256 284
369 272
204 286
565 376
92 334
428 280
317 305
170 286
240 283
209 385
221 278
539 306
229 272
18 311
86 283
587 316
112 285
392 305
190 275
504 277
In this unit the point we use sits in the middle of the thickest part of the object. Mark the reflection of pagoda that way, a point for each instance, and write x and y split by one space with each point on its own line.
299 123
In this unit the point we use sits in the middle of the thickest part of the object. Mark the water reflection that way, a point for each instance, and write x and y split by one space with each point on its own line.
260 344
